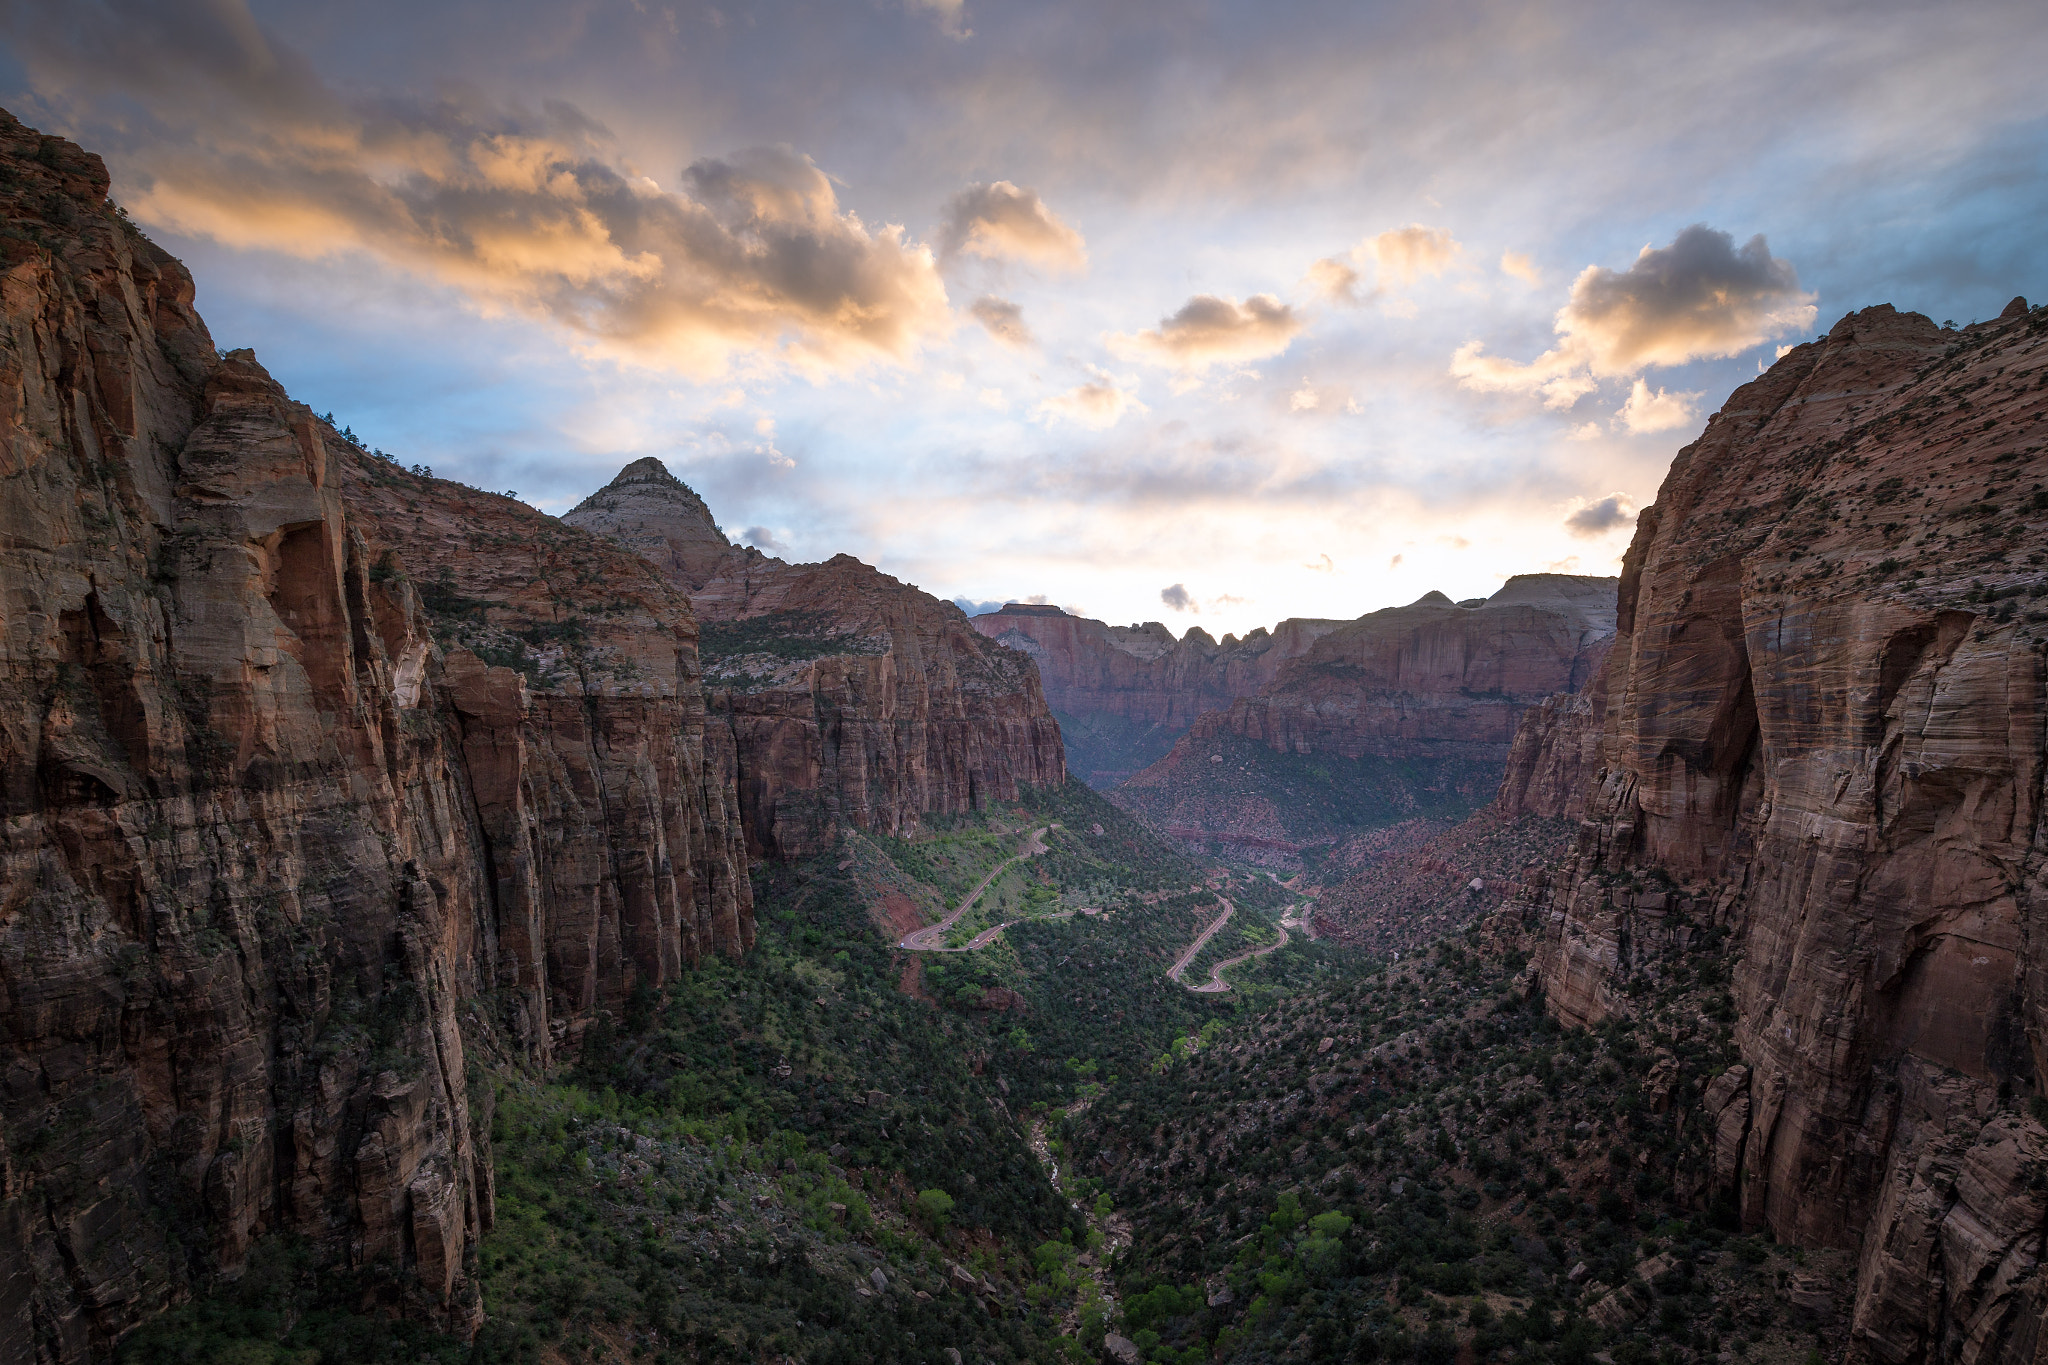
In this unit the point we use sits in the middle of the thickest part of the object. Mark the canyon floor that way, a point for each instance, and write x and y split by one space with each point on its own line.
1065 1141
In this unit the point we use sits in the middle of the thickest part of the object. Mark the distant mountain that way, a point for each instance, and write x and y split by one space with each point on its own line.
851 698
1410 711
1123 694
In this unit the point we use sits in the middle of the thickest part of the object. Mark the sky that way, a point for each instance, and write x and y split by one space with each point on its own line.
1212 314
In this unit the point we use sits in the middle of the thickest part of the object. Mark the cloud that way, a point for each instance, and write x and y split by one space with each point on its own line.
761 538
1335 281
1599 517
1208 330
1328 398
765 429
974 608
1699 297
1098 405
1178 598
1002 222
1660 411
1398 256
529 210
1323 564
1520 266
951 14
1003 319
1404 254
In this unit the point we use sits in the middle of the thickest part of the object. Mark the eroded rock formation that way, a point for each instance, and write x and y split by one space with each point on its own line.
278 856
1123 694
1414 707
849 697
1823 735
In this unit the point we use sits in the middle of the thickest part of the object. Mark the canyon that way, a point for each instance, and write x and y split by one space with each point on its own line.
1821 736
338 798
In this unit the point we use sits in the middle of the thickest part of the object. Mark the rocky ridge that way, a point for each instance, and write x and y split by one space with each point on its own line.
851 698
1420 704
1125 693
279 856
1822 735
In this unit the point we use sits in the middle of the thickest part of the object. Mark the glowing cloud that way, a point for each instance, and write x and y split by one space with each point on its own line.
1660 411
752 256
1520 266
1334 280
1208 330
1002 222
1098 405
1405 254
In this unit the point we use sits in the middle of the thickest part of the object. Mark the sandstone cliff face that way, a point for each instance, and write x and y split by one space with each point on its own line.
849 697
1414 706
1556 751
1125 693
1823 732
271 862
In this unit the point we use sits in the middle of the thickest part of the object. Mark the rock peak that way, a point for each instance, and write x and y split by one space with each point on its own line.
655 514
647 469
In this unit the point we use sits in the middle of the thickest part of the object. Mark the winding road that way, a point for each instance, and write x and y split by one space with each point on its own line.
932 938
1216 985
1180 964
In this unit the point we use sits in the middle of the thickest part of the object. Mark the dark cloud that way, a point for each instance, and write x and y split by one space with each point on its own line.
1178 598
1702 296
1003 319
1001 221
761 538
1208 329
1599 517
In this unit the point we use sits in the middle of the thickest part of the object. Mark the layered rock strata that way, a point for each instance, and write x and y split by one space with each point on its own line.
276 856
1823 737
850 698
1421 703
1125 693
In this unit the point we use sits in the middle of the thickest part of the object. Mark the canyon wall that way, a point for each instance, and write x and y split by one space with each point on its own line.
1410 711
278 855
848 697
1822 735
1125 693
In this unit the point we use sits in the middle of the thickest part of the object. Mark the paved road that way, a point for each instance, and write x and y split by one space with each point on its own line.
932 938
1180 964
1216 985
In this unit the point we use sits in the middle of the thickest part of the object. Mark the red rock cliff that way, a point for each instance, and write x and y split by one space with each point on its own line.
849 697
1125 693
1423 700
272 863
1824 731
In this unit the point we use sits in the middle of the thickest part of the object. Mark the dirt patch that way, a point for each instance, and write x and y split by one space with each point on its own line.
898 913
911 979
